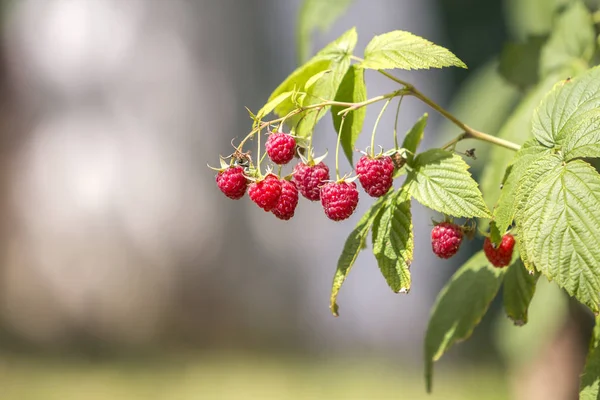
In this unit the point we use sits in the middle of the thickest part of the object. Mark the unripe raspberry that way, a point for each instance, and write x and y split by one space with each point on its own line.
309 179
446 239
376 175
232 182
265 193
501 255
339 199
280 147
286 205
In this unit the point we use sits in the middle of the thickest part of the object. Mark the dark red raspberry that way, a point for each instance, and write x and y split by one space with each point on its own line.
376 175
446 239
501 255
309 179
339 199
232 182
281 147
286 205
265 193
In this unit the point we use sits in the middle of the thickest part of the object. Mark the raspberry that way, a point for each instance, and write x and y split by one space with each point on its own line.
309 179
265 193
446 239
500 255
339 199
281 147
286 205
376 175
232 182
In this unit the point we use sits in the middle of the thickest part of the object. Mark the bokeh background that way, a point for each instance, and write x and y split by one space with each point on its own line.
126 274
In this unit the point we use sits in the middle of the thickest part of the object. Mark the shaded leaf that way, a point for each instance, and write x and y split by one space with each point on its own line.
459 308
403 50
548 312
440 180
518 291
351 90
354 244
393 241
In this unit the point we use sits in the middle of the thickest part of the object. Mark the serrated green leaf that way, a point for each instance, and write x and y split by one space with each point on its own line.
535 172
353 90
315 78
572 41
567 102
459 308
316 14
334 57
559 227
403 50
589 388
440 180
584 137
520 62
393 241
413 137
354 244
518 290
517 129
506 207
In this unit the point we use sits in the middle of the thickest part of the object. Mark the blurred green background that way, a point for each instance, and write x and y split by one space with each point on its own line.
126 275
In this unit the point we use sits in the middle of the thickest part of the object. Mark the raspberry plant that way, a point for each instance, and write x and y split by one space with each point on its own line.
545 219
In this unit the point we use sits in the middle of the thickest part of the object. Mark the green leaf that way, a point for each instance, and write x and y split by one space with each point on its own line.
316 14
515 178
335 57
354 244
518 290
413 137
403 50
583 139
559 227
517 129
393 241
567 102
519 62
352 90
572 41
272 104
459 308
589 388
440 180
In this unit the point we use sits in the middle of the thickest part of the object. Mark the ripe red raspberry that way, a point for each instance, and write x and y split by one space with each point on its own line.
376 175
265 193
446 239
339 199
232 182
286 205
500 255
309 179
281 147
